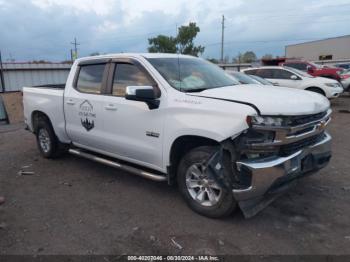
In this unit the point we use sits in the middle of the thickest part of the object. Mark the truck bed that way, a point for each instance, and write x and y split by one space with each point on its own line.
48 100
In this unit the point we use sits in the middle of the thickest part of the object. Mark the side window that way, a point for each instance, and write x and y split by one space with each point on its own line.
264 73
128 75
281 74
301 66
90 78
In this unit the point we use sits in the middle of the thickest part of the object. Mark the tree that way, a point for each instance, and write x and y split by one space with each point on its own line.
238 59
182 43
162 44
249 57
185 38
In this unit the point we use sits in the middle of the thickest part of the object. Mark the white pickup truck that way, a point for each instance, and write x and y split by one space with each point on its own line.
181 119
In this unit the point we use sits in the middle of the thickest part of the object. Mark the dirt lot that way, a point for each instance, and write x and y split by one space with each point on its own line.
74 206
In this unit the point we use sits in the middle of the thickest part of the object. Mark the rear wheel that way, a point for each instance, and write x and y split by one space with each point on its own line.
201 192
48 144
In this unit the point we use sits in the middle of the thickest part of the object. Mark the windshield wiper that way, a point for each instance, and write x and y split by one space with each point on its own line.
193 90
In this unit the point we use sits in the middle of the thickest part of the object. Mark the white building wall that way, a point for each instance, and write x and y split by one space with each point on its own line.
339 47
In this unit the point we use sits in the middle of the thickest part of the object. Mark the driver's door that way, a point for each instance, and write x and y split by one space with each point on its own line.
133 131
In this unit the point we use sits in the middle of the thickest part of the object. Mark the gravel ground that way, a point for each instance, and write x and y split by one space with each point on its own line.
74 206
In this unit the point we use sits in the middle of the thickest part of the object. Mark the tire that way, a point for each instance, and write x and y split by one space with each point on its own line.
316 90
223 202
48 143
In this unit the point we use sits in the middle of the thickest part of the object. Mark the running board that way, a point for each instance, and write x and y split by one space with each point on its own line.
131 169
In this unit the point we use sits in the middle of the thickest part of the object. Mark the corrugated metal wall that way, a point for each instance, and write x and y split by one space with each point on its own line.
17 75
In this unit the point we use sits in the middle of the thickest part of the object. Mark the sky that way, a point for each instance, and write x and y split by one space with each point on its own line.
44 29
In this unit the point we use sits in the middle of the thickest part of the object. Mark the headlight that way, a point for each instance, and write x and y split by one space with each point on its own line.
332 84
265 121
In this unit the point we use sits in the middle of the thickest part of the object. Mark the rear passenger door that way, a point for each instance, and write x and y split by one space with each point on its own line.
83 105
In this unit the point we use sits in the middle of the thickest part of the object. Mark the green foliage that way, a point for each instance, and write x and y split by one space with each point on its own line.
182 43
248 57
162 44
185 38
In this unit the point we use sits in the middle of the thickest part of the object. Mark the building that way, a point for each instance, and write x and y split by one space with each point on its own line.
13 76
335 49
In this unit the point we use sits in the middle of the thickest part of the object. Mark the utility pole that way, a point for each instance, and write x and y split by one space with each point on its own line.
2 76
71 55
75 43
222 38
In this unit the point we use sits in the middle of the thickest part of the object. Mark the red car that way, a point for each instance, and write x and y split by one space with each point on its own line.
315 69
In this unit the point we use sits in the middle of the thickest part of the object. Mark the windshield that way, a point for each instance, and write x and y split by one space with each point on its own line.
298 72
242 78
191 74
345 72
315 65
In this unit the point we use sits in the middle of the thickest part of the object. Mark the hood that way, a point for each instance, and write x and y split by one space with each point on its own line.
323 80
272 100
329 69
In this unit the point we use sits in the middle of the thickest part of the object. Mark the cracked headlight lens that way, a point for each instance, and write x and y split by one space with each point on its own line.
265 120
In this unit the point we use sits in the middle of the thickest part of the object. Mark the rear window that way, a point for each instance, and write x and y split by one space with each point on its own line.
90 78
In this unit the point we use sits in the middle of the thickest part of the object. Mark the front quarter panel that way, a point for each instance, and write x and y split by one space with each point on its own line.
204 117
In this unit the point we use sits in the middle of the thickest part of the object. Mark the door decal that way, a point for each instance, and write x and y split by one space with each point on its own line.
87 115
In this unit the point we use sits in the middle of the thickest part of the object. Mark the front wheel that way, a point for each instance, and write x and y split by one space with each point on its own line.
201 192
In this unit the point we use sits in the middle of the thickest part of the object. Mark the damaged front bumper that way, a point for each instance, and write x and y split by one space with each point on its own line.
270 176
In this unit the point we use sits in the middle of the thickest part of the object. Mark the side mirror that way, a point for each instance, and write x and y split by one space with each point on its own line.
143 94
293 77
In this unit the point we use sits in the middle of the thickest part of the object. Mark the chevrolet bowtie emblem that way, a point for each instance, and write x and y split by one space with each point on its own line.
322 125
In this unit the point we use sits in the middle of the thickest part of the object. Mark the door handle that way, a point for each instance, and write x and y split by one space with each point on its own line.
111 107
70 102
275 84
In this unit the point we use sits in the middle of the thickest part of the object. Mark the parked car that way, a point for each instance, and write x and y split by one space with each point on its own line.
345 80
314 69
344 66
291 77
226 145
243 78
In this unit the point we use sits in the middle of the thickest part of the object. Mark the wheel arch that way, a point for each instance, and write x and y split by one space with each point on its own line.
312 88
35 118
180 146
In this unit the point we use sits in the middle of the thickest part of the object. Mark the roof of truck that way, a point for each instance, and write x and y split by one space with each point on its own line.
145 55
